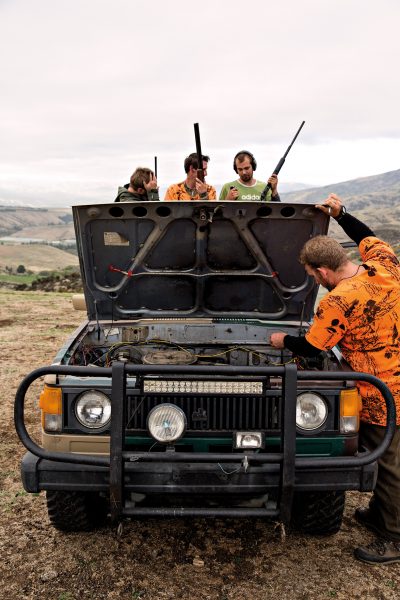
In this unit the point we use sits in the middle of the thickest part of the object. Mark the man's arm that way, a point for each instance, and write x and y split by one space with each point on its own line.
297 345
151 188
300 346
355 229
172 192
212 193
224 192
273 182
153 195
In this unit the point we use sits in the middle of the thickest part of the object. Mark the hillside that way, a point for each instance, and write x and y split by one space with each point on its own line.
35 257
375 200
389 182
51 233
28 222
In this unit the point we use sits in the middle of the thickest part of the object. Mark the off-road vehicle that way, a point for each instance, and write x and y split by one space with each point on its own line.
169 400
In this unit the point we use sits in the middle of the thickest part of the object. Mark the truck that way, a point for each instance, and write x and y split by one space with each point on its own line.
168 400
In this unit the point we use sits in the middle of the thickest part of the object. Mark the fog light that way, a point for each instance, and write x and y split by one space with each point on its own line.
166 423
52 423
349 424
249 440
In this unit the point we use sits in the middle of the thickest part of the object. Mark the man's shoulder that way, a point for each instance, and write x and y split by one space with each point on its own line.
373 243
260 184
225 187
122 190
176 185
335 300
175 191
123 194
374 249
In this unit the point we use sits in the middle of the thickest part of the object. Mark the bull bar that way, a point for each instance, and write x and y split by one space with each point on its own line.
286 459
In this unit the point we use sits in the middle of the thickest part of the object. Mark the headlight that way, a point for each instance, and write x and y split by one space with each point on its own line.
311 411
93 409
166 423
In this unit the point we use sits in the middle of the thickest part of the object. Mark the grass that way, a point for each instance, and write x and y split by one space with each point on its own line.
29 278
26 278
35 257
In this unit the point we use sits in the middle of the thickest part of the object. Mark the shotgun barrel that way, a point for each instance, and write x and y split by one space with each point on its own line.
280 164
200 171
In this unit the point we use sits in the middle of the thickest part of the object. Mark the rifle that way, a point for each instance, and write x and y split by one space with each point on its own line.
280 165
200 170
155 167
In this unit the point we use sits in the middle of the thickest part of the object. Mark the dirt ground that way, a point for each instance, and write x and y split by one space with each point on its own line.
222 559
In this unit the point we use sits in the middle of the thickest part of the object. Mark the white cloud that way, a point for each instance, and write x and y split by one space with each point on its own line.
90 89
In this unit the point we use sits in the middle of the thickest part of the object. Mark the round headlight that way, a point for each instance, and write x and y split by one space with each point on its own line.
166 423
311 411
93 409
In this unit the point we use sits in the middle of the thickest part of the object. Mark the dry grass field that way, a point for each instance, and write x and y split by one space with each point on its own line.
35 257
50 232
150 559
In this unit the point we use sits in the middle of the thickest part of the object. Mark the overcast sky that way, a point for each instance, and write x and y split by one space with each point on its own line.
92 88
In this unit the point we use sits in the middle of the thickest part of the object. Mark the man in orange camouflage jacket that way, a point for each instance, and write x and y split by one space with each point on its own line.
361 313
192 188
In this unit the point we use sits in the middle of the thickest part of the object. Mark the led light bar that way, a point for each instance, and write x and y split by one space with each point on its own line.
170 386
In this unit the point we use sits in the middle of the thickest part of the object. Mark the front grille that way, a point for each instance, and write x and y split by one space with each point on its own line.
210 413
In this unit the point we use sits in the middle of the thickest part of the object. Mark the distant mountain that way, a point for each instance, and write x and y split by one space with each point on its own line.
293 186
375 200
55 197
387 183
49 224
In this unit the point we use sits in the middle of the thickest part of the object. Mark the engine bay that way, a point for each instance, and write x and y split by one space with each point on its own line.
185 342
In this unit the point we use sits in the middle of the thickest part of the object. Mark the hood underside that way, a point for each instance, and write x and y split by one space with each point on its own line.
184 259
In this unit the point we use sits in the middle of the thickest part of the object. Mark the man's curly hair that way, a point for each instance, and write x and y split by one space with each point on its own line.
323 251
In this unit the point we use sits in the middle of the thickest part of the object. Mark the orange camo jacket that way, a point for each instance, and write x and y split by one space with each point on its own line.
362 316
177 191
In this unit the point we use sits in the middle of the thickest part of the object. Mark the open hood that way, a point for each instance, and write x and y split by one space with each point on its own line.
196 259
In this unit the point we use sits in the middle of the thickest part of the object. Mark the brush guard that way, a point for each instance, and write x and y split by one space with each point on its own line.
120 460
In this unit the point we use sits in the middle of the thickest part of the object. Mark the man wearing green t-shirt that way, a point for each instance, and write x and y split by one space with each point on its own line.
247 187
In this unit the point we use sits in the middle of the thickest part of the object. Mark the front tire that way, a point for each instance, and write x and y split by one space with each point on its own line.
318 513
76 511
